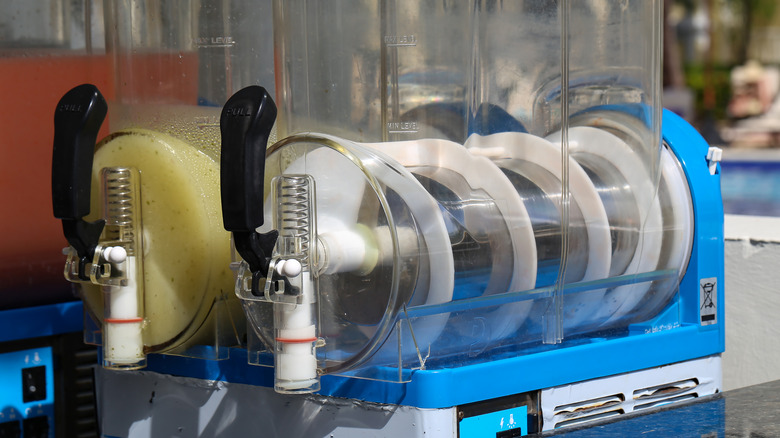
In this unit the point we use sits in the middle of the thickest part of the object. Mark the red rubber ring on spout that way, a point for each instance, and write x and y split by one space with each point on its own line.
122 320
295 341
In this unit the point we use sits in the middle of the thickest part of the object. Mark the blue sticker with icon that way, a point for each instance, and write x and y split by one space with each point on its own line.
507 423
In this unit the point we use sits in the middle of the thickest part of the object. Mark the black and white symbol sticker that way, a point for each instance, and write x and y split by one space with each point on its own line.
708 300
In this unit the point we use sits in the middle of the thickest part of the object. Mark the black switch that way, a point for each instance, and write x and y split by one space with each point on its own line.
34 384
10 429
36 427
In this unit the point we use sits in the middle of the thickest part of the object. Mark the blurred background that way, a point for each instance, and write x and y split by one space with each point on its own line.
721 73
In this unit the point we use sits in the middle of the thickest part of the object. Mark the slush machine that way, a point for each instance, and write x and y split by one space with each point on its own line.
454 219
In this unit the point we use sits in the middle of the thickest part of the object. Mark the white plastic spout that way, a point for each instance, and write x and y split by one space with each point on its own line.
122 324
296 338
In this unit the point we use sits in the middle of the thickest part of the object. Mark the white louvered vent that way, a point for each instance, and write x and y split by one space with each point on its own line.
665 401
589 410
660 395
601 399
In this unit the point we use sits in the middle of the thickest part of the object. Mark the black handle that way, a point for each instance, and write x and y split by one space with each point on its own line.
77 121
246 123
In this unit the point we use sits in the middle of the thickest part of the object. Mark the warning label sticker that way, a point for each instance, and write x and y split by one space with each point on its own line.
708 300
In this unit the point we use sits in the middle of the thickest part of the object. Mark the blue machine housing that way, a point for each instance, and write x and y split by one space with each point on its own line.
32 369
574 360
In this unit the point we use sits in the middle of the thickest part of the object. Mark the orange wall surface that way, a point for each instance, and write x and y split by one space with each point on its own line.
31 239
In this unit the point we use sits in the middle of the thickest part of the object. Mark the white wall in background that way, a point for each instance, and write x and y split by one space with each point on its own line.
752 291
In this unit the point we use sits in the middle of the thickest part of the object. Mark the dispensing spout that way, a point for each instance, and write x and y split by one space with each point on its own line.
114 263
283 254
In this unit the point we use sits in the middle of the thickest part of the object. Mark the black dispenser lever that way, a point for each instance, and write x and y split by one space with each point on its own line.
246 123
77 121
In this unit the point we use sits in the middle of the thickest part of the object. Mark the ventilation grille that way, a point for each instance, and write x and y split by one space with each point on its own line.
589 418
589 410
668 390
665 394
666 401
605 407
84 393
76 408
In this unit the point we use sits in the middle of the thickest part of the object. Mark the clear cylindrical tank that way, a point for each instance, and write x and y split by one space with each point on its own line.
174 64
532 127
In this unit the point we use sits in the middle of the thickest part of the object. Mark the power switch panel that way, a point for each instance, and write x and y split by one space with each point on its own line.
26 389
10 429
33 384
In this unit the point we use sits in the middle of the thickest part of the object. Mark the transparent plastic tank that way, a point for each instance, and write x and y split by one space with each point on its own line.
155 178
484 179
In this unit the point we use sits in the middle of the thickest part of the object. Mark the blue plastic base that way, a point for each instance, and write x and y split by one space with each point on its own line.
41 321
